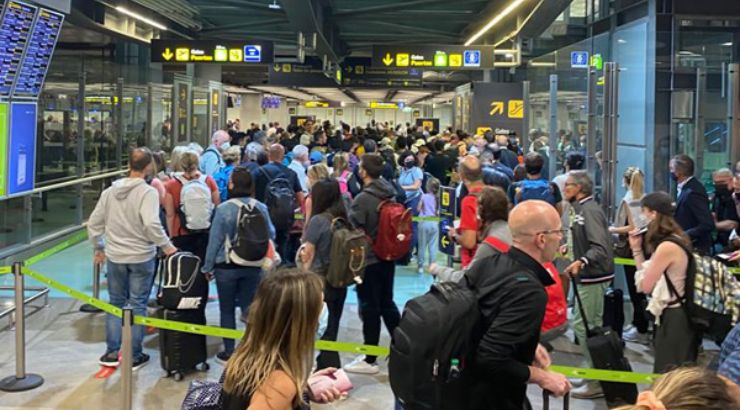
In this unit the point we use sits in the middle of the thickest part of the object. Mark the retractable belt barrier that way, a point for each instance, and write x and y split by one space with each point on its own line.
213 331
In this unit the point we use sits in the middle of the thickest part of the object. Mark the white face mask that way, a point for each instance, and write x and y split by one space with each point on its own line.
226 145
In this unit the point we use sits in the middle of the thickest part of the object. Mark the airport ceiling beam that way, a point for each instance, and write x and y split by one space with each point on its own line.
427 97
252 5
542 17
390 94
245 26
406 28
407 5
351 95
314 16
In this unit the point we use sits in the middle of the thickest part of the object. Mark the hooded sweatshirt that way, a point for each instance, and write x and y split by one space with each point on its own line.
364 210
127 215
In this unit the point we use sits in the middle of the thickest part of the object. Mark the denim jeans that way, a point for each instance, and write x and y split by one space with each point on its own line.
236 287
376 301
428 238
128 284
334 299
413 205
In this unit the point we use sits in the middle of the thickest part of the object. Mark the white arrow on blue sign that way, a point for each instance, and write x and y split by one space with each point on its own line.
252 54
579 59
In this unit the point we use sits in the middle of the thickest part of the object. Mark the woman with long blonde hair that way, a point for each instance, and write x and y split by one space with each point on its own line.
270 368
688 388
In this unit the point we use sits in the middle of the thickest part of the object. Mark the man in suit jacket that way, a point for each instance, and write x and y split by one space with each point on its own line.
692 204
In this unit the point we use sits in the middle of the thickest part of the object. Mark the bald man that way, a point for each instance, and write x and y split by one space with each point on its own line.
466 234
212 161
512 299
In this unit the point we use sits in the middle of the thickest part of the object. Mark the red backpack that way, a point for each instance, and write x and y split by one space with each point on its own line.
394 231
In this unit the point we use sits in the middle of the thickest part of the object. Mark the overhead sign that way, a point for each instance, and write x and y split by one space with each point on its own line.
497 106
597 61
445 57
15 30
354 72
383 106
38 54
316 104
579 59
206 51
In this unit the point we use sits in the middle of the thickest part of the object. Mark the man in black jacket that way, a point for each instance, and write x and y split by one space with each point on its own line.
512 299
692 204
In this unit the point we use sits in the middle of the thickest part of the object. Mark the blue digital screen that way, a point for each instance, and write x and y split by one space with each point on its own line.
38 53
22 151
15 29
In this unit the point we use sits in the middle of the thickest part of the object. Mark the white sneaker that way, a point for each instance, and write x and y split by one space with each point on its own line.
360 366
634 336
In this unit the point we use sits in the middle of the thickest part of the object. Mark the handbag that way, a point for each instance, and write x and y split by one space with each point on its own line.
622 245
204 395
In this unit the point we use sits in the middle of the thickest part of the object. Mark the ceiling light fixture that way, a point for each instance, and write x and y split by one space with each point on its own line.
139 17
727 44
495 20
274 5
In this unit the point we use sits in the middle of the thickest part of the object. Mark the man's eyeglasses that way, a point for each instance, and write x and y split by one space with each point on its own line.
561 232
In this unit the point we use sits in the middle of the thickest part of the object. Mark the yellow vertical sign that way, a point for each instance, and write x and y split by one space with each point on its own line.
516 109
445 198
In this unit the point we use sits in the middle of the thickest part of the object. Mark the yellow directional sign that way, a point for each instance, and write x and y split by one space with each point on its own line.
388 60
167 54
482 130
182 54
220 54
236 55
445 198
516 109
497 107
455 60
445 241
402 60
287 68
277 68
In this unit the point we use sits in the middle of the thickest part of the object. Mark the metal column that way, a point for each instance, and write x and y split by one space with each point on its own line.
21 381
120 127
609 148
80 140
699 106
733 110
524 140
127 359
88 308
553 127
592 118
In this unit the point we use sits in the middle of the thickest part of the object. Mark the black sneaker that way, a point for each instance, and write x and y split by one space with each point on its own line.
109 359
222 358
140 361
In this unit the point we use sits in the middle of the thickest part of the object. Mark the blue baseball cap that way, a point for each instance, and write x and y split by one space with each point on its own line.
316 157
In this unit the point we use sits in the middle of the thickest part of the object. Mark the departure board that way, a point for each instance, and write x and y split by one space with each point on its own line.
15 29
38 54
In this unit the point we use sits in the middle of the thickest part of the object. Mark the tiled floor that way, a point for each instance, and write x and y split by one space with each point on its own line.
63 345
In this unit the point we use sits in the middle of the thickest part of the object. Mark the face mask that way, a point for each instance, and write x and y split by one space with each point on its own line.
721 190
225 145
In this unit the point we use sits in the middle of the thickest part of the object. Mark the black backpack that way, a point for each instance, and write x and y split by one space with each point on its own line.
252 239
430 346
280 200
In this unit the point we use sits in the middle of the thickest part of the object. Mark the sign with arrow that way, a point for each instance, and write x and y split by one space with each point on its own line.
388 60
214 52
497 107
447 205
438 57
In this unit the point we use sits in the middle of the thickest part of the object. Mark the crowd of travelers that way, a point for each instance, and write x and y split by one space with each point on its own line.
528 242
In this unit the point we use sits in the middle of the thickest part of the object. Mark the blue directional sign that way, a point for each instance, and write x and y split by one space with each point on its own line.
471 58
252 54
579 59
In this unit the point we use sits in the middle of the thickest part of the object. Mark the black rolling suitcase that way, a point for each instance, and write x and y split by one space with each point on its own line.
614 310
182 352
182 286
607 353
546 400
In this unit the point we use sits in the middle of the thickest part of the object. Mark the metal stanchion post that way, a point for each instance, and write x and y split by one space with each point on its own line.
21 381
88 308
127 359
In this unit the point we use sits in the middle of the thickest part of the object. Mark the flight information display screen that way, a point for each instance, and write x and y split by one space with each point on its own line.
15 30
38 54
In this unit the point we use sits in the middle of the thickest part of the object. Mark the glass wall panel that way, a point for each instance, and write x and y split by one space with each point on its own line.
91 191
54 210
200 116
161 110
134 119
13 226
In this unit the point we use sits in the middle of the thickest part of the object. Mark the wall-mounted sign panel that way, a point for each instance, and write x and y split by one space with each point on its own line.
205 51
22 152
15 30
355 72
38 54
3 147
428 124
444 57
383 106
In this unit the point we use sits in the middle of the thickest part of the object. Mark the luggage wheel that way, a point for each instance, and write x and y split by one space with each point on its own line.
203 367
177 376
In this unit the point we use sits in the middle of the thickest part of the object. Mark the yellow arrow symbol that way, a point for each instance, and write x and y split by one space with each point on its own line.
445 241
388 60
497 107
168 54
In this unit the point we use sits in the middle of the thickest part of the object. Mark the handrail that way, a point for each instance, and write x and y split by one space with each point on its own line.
65 184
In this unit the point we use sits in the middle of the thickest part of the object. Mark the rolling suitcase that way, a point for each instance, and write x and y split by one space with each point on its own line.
607 353
182 286
614 310
181 352
546 400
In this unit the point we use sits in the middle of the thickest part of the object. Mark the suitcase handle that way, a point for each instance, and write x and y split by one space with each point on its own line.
580 308
546 400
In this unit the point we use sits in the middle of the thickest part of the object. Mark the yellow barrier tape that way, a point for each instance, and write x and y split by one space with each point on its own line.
73 240
605 375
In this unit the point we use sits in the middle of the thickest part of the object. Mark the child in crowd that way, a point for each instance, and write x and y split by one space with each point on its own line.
428 230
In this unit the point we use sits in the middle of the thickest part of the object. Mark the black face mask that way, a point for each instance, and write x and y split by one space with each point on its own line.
722 190
409 164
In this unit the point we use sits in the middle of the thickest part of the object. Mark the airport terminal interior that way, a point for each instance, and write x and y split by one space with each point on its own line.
623 85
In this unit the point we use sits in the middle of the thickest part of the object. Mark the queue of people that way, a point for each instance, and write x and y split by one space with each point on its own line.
512 220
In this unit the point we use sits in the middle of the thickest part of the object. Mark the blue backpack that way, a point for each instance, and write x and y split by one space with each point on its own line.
222 181
534 189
